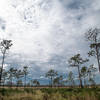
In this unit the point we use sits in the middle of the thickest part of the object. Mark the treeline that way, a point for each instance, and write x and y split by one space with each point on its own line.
85 70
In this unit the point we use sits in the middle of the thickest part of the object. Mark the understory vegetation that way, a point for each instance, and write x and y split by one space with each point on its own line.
49 94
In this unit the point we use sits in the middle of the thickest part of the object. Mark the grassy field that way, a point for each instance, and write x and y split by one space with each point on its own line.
49 94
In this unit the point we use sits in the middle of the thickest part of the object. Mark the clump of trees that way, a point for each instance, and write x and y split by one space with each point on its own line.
85 71
77 61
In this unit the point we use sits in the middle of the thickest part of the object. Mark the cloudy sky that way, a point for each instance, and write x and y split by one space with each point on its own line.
45 33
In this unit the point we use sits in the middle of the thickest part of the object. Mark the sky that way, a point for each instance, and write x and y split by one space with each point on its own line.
46 33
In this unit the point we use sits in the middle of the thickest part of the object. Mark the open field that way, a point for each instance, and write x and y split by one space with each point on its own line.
49 94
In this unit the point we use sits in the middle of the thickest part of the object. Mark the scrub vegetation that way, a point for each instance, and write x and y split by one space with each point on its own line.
49 94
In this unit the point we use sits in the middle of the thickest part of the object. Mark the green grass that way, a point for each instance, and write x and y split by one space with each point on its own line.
49 94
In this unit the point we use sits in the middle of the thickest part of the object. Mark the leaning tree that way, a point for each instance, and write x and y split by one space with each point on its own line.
77 61
4 46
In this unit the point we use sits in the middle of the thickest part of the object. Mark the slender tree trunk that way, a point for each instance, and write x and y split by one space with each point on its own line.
84 82
4 82
73 83
51 81
17 84
97 54
25 80
80 78
11 80
2 65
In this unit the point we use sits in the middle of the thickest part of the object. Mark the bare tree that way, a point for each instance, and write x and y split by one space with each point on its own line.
4 46
93 36
77 61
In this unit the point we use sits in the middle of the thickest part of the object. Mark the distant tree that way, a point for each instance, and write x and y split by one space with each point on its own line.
18 75
51 74
92 81
4 46
36 82
58 81
25 72
28 84
31 82
20 83
4 76
93 36
91 74
77 61
71 78
11 74
84 73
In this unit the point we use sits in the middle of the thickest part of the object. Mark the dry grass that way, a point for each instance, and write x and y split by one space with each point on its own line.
49 94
